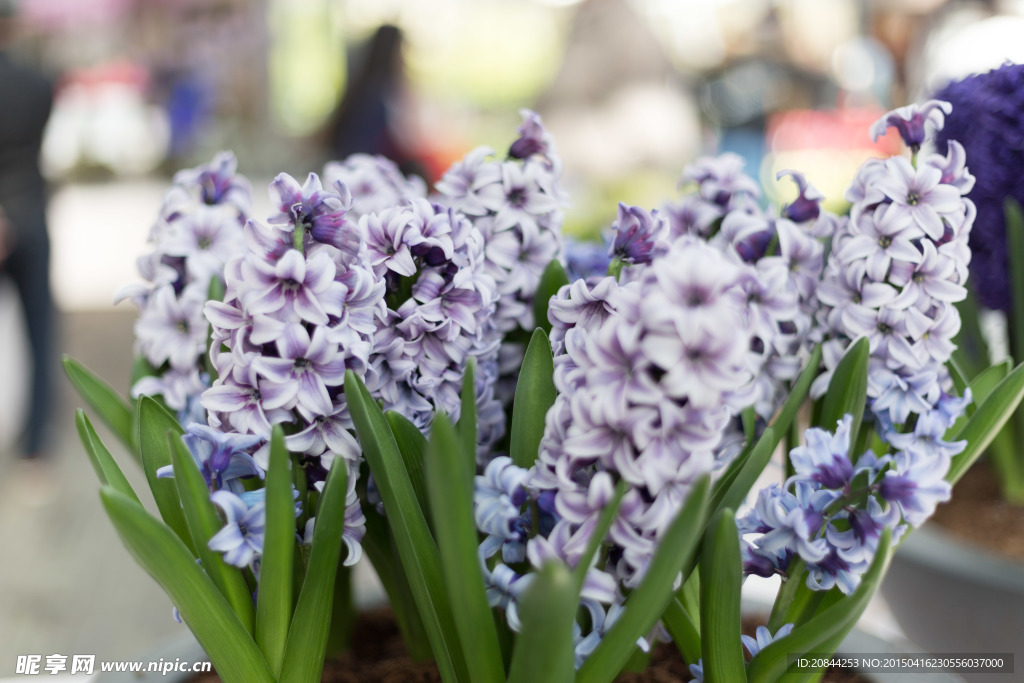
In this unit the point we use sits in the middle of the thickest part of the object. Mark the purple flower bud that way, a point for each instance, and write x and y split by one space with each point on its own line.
533 139
915 122
639 235
807 205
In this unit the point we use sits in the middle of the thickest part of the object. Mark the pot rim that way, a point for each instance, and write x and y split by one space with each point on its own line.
933 545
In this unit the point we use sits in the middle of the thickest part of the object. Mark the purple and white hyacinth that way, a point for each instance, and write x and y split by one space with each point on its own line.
516 204
300 309
439 313
896 267
198 230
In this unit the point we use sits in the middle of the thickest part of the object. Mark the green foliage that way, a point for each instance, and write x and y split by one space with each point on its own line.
450 483
274 605
535 394
161 553
104 401
553 279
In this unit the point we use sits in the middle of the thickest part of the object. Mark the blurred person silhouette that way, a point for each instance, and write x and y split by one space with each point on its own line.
25 104
367 119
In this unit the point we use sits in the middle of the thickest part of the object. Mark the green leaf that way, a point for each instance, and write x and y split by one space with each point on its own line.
551 281
1015 255
722 650
749 419
450 484
154 425
787 413
106 468
535 393
274 601
105 402
604 523
847 390
307 638
203 523
795 603
959 377
685 633
412 445
645 605
547 610
141 368
467 416
986 422
380 549
826 630
420 558
987 380
732 489
208 615
972 353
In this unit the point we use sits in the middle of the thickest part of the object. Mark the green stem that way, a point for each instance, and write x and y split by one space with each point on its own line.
1003 455
787 594
1015 254
342 612
615 267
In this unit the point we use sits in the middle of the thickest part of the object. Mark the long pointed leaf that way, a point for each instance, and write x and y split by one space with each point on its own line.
535 393
645 605
986 422
550 282
203 522
380 549
420 558
467 415
971 347
274 602
795 603
201 606
107 403
684 631
547 609
750 468
450 484
412 445
307 637
735 483
721 648
987 380
847 390
604 523
154 425
959 376
1015 255
106 468
826 629
787 413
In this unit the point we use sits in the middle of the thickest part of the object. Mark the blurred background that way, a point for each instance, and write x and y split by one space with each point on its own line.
632 90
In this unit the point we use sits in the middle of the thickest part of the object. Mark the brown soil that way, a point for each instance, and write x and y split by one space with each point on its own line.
378 656
978 514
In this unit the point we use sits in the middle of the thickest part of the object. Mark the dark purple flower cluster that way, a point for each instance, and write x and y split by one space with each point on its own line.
986 121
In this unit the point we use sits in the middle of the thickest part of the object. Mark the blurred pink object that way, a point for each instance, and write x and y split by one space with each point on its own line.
60 14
